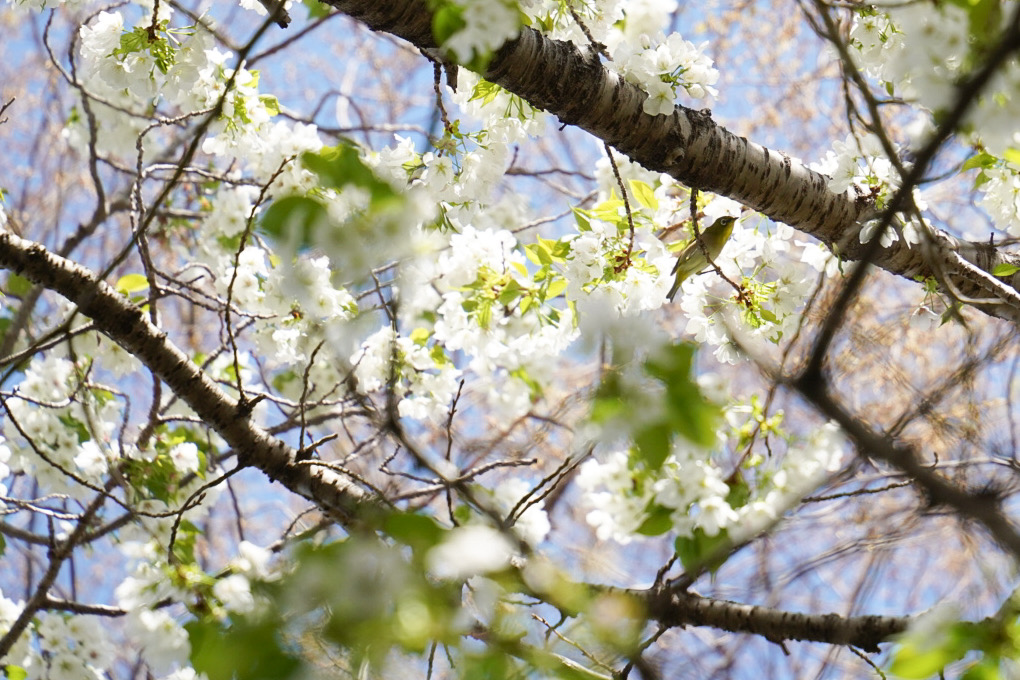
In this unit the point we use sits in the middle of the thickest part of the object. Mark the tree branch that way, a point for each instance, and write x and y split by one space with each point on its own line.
686 608
128 326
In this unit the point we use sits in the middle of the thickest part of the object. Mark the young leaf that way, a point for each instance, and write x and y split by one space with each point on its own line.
1005 269
653 444
417 531
131 283
644 194
658 521
687 411
15 673
981 160
697 551
295 220
341 165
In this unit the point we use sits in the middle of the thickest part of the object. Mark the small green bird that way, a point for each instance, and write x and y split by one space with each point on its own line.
691 259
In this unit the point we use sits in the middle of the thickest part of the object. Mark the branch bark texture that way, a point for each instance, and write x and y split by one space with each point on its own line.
686 608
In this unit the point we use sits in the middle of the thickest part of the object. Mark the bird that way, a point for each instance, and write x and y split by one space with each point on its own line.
692 260
277 12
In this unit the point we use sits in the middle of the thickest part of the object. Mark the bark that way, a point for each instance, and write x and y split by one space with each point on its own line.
693 149
686 608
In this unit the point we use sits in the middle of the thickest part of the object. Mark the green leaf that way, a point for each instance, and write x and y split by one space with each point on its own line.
295 220
676 360
986 669
271 103
485 91
608 210
609 401
420 336
914 662
558 250
658 521
5 327
696 550
653 445
131 283
414 530
985 20
539 253
923 657
74 425
184 544
15 673
135 41
1005 269
339 166
691 415
18 285
687 411
462 513
511 291
980 160
534 387
483 313
1012 155
255 651
438 356
447 20
316 9
644 194
556 287
489 664
583 223
739 493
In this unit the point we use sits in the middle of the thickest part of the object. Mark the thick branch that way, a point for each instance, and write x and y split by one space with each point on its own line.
865 632
129 327
692 148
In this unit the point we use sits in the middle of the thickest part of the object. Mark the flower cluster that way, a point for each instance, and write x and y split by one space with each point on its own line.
58 646
922 52
1000 196
664 65
622 494
860 162
40 411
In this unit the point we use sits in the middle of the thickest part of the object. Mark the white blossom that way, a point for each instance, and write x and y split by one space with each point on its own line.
470 551
163 641
185 457
234 591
